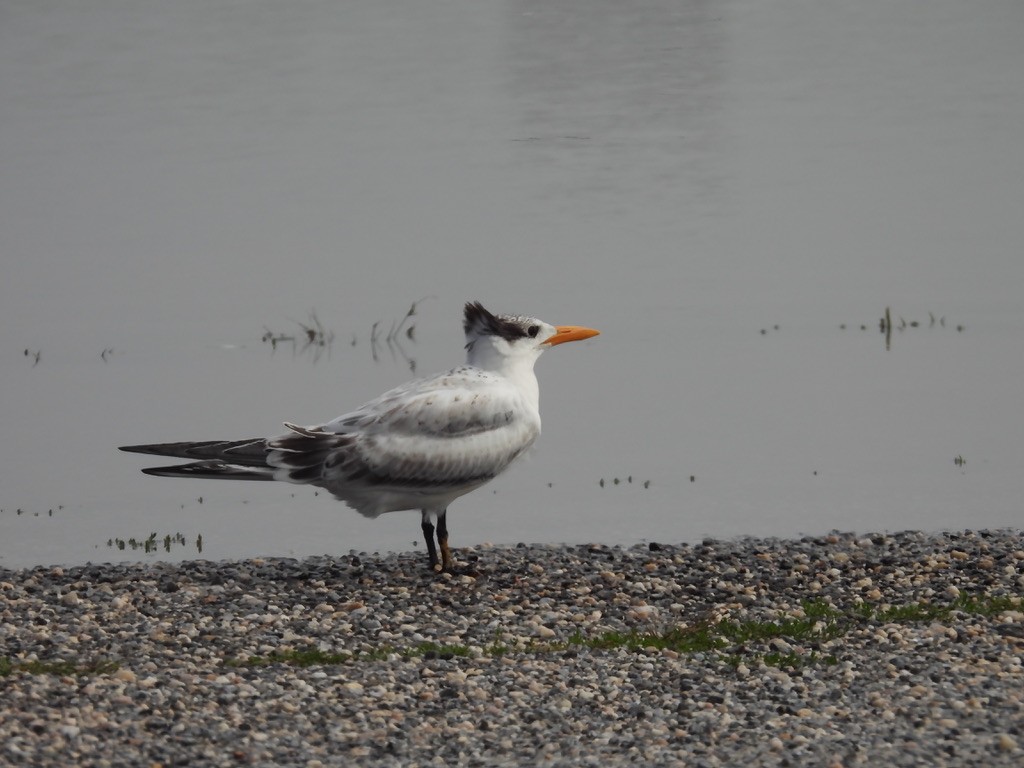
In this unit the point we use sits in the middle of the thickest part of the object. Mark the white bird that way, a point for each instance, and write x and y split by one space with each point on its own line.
419 446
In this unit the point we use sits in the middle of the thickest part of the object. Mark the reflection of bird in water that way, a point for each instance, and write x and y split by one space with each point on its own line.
419 446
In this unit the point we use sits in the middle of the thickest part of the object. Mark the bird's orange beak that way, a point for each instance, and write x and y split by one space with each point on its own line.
564 333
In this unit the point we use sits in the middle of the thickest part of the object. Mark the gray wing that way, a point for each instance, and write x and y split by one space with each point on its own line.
442 435
451 431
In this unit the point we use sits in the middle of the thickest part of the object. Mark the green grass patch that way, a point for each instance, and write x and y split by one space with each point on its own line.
698 639
969 604
732 641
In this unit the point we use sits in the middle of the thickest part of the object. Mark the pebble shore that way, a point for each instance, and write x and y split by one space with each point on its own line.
153 664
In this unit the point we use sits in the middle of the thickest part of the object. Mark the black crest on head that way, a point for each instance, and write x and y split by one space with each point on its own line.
479 319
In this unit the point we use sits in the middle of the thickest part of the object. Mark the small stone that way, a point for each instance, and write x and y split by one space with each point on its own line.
643 613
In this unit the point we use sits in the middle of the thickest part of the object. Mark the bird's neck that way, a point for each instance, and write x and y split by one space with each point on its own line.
525 380
518 370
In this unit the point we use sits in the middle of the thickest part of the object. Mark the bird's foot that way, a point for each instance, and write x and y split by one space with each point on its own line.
447 561
445 565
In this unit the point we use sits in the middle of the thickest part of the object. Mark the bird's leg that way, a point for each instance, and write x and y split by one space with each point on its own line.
428 535
447 564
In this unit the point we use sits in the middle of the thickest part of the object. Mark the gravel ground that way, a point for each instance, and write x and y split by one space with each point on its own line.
156 679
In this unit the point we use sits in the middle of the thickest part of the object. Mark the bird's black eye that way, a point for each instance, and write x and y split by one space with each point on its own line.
533 330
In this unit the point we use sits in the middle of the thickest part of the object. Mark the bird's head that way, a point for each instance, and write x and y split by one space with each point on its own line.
494 341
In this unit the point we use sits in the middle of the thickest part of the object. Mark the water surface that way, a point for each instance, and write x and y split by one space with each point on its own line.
178 178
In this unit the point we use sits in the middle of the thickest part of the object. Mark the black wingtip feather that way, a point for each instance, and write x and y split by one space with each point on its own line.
209 469
251 452
182 450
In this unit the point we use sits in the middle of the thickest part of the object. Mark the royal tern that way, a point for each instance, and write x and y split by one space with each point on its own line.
419 446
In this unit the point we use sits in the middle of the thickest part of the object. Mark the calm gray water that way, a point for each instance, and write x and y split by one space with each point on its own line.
176 179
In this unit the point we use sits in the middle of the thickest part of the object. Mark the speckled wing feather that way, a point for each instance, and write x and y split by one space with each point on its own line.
437 437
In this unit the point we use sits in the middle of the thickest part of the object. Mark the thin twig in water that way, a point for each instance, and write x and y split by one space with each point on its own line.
394 340
314 336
